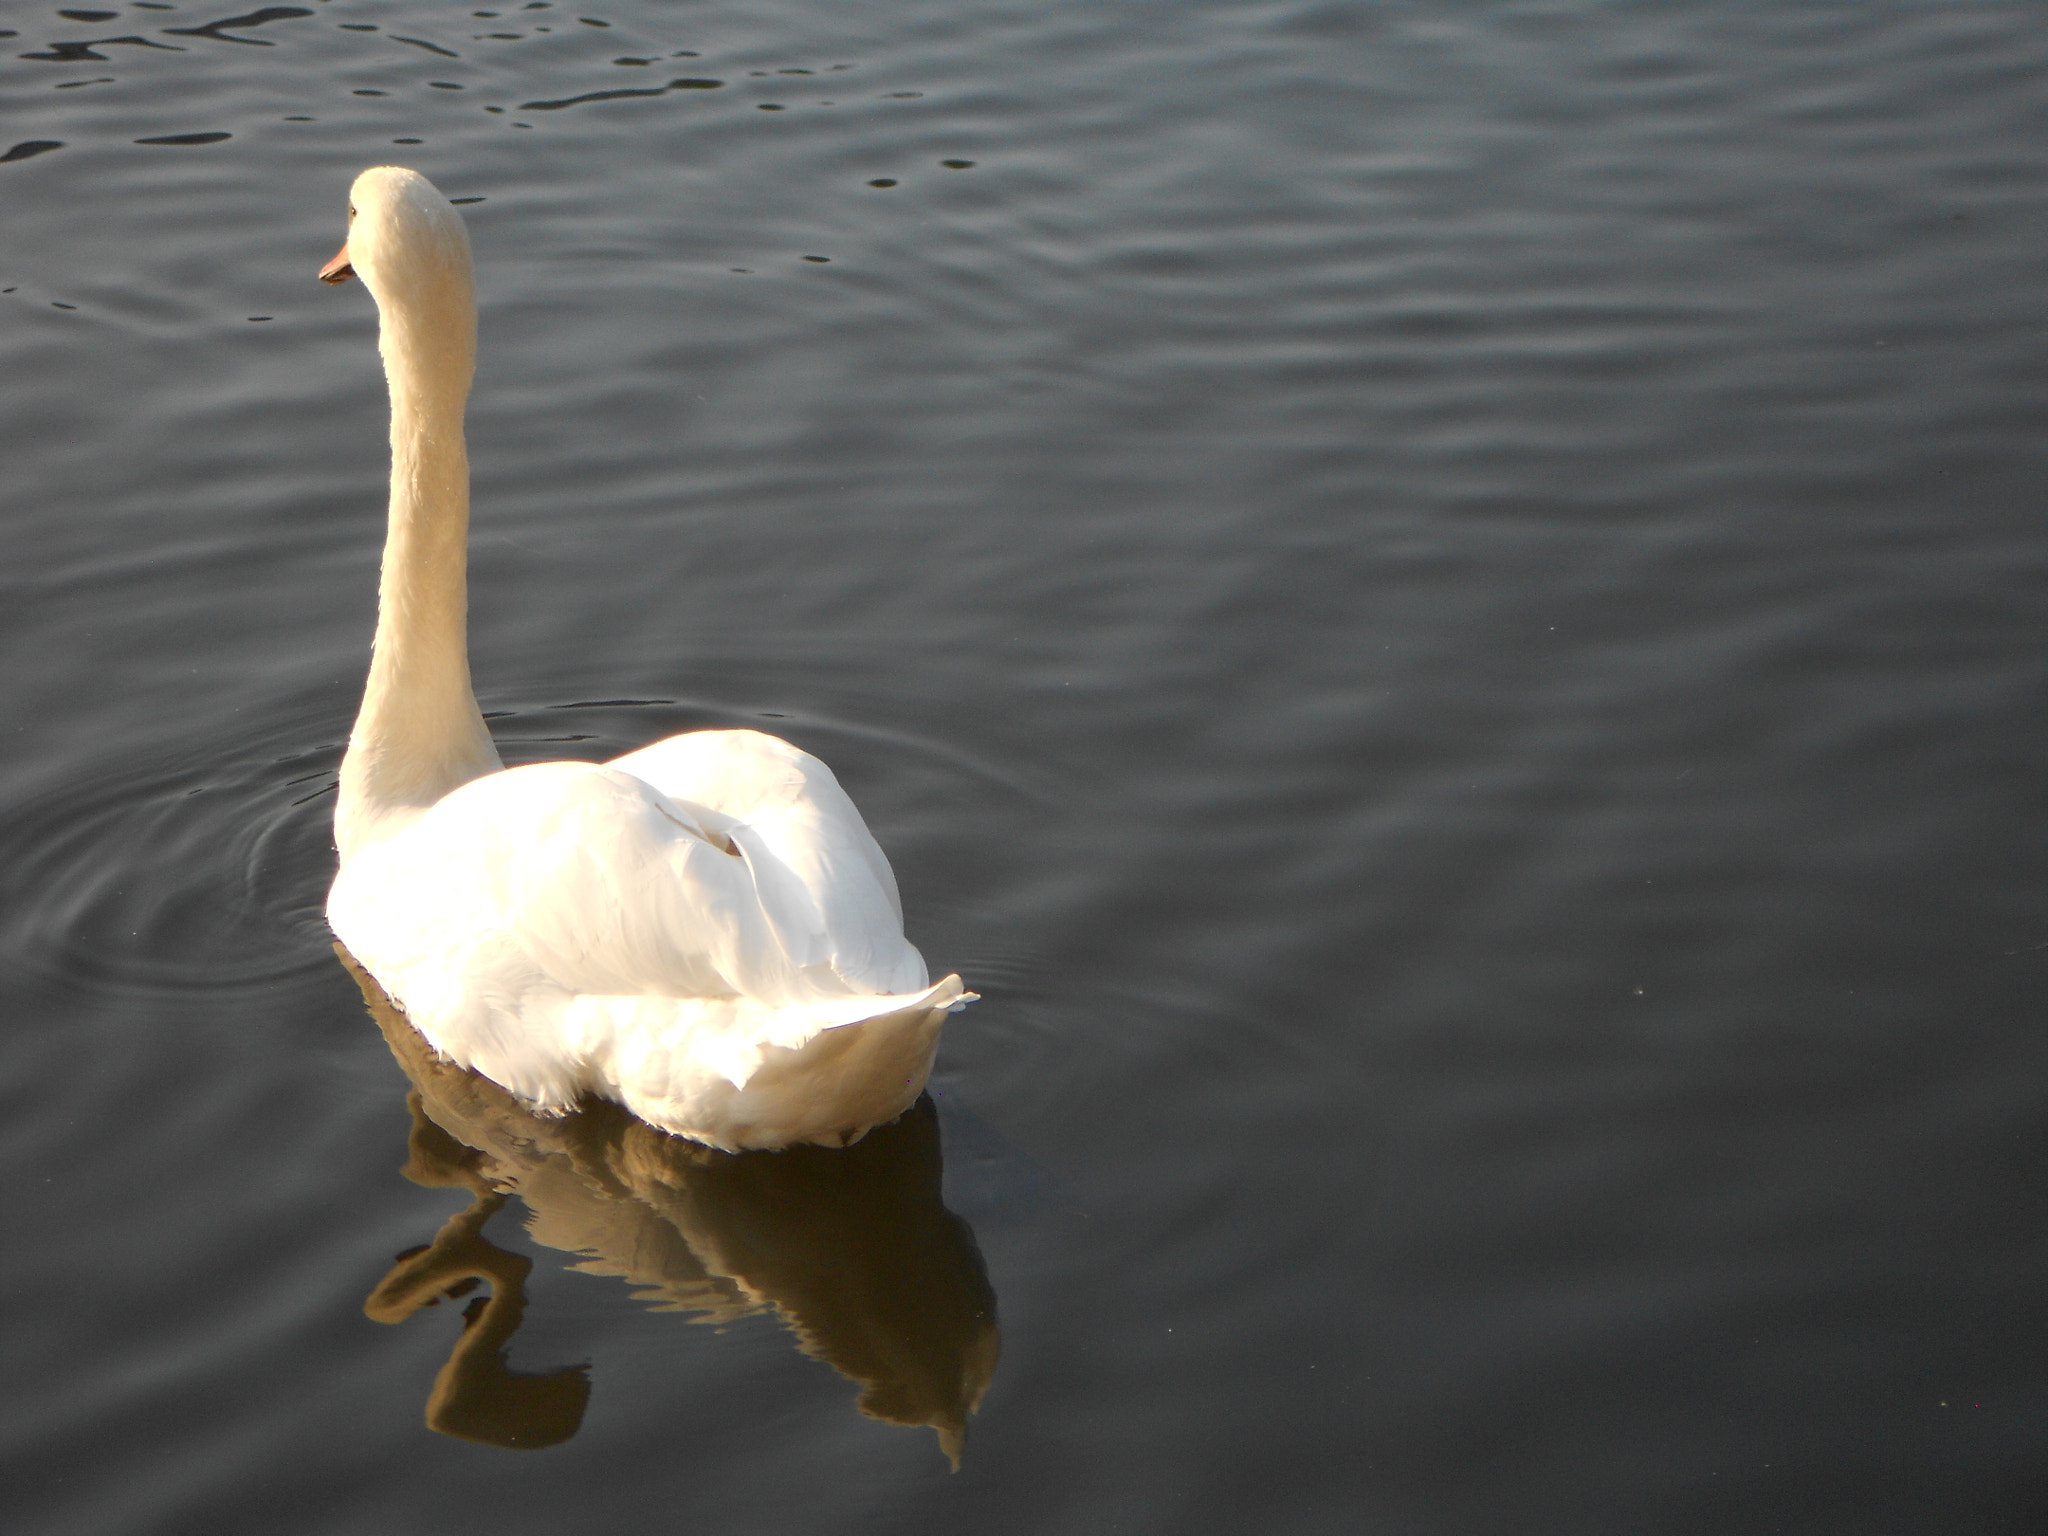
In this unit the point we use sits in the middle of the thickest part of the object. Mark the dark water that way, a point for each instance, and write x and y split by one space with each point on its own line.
1441 604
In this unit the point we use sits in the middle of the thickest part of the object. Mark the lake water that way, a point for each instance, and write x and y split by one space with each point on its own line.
1440 604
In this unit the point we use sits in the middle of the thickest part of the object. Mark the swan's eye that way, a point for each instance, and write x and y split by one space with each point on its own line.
351 213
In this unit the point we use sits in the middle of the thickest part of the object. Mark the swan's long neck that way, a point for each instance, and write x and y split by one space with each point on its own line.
419 733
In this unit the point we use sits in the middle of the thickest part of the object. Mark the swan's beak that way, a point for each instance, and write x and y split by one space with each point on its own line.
338 270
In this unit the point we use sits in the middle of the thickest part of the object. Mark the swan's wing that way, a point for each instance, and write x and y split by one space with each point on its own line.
611 888
812 853
569 925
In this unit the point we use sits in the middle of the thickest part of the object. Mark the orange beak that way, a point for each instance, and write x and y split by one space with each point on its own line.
338 270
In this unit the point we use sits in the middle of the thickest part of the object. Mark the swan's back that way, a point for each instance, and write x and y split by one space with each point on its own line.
574 927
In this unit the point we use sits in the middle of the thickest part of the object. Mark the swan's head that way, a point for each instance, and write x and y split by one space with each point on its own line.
408 245
401 230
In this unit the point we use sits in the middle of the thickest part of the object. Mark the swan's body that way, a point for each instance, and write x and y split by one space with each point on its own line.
703 930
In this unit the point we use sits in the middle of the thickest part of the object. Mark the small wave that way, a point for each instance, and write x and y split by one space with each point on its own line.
421 42
80 52
691 84
218 30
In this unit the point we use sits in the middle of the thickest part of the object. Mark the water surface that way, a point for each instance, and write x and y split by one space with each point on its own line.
1439 604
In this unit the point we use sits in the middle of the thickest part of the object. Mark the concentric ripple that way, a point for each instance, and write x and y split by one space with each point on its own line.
194 870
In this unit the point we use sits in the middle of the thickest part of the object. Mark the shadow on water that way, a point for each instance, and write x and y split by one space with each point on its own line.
851 1248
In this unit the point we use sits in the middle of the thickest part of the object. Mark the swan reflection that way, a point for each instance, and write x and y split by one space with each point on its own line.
850 1247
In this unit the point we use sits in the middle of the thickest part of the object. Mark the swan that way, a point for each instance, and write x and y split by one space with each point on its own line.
704 930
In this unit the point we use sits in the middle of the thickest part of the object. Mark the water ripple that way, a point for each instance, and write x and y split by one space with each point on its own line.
193 872
619 95
77 52
217 30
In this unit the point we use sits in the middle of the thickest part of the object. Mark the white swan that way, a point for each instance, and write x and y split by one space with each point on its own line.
703 930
